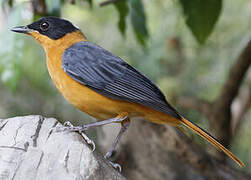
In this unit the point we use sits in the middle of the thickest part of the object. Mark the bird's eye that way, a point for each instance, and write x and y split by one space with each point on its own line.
44 26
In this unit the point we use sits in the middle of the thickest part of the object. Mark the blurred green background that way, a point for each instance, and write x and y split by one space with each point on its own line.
165 47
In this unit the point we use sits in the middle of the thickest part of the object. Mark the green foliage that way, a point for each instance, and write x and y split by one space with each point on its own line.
138 19
201 16
123 9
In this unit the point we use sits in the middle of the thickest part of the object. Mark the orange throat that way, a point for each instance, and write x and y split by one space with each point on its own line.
61 43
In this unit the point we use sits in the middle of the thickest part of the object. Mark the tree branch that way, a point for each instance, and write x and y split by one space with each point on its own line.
235 78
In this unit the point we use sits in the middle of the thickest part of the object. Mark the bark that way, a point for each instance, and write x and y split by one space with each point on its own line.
151 151
30 149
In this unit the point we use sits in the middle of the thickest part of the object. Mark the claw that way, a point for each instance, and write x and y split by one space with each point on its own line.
66 126
88 140
116 166
68 123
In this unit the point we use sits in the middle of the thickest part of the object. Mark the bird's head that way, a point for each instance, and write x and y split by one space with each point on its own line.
51 31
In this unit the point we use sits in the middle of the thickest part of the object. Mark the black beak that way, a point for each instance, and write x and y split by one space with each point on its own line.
21 29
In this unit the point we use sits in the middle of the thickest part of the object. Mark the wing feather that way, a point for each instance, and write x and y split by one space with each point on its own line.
110 76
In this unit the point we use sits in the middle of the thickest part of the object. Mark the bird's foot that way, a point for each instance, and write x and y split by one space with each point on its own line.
114 165
67 126
88 140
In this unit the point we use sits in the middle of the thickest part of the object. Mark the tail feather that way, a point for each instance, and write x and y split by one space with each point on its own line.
211 139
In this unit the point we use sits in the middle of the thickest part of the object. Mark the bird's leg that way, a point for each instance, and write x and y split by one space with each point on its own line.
124 126
87 126
81 129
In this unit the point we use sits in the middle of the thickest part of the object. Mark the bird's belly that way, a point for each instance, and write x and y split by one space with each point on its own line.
86 99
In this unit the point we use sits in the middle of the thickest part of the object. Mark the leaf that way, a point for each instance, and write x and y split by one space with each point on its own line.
201 16
123 9
138 20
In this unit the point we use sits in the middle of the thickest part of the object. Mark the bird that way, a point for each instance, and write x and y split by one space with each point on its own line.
102 84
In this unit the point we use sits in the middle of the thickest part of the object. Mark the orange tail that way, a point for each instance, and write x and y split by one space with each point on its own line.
211 139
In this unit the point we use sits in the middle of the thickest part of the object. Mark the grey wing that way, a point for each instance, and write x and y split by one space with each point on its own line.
112 77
